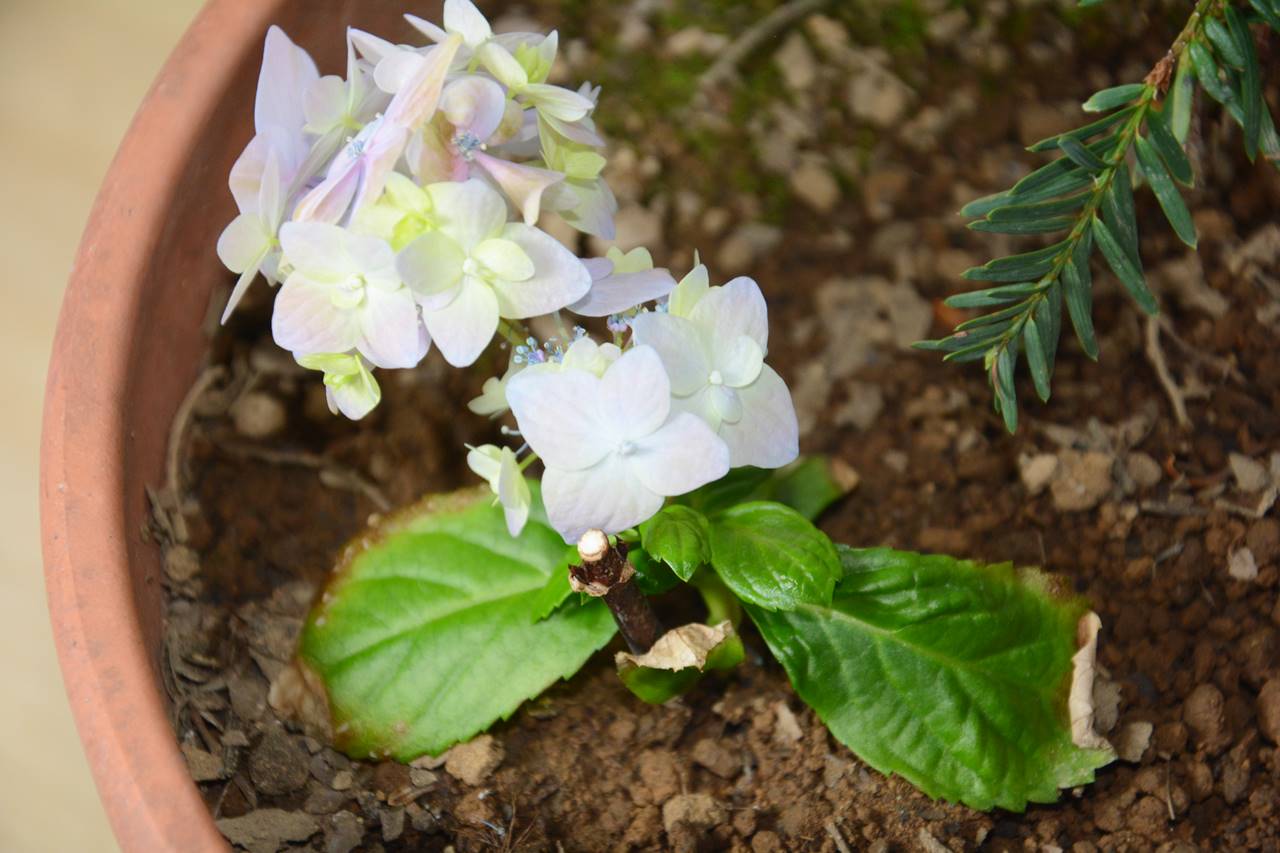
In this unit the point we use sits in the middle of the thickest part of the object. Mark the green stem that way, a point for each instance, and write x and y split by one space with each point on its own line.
511 334
721 603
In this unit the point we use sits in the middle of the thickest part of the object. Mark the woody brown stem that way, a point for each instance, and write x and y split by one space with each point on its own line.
606 573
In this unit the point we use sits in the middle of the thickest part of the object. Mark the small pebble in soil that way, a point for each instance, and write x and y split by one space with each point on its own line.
181 563
1250 475
1144 470
1203 713
1269 710
745 246
692 811
324 800
344 832
420 777
1081 480
278 764
258 415
1036 470
1241 565
392 821
204 766
268 830
472 762
814 184
709 753
788 727
1132 741
1263 539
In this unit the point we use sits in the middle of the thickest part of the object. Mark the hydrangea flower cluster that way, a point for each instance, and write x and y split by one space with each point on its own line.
398 209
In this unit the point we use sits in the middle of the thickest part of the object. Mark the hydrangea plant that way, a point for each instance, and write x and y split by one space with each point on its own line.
398 210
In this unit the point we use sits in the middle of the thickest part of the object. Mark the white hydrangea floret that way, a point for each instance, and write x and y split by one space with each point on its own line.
477 267
264 176
344 294
499 467
348 383
712 342
612 452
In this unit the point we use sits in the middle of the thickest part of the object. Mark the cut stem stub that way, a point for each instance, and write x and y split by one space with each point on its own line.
606 573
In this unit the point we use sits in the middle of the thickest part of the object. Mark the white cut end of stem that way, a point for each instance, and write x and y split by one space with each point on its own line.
593 545
1083 673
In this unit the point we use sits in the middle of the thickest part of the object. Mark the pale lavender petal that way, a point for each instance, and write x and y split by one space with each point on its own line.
243 242
470 211
462 17
328 202
381 156
431 264
305 320
679 345
738 360
238 292
588 206
416 101
737 308
246 174
427 28
524 185
582 132
557 102
325 103
606 497
559 277
599 268
287 73
319 249
617 293
681 456
389 329
635 395
463 328
474 105
396 68
767 436
556 413
371 47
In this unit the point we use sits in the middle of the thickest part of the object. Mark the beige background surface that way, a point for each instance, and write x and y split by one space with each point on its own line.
71 74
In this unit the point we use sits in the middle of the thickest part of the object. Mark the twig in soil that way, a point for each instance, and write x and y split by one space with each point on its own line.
1155 355
1225 367
331 474
725 68
1172 510
834 832
1265 501
606 573
178 429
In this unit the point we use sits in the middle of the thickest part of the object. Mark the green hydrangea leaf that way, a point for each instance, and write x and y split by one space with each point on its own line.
771 556
680 537
431 628
952 674
654 577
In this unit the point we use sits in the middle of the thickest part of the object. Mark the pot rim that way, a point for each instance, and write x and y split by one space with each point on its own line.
110 677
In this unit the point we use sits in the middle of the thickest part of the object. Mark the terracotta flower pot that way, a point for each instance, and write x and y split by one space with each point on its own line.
128 346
